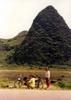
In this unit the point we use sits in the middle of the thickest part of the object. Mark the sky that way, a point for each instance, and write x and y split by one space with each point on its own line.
18 15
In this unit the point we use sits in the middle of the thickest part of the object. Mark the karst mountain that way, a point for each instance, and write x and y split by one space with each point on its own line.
48 40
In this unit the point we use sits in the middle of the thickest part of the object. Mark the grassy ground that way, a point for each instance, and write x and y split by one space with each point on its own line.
61 77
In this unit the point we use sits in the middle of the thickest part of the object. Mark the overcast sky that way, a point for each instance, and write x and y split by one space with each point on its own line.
18 15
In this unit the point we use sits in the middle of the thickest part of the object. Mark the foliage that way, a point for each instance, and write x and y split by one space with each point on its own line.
64 85
47 42
7 47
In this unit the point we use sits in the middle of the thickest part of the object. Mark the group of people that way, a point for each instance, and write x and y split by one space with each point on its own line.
35 81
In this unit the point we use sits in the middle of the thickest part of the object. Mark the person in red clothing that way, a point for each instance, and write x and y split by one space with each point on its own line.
47 76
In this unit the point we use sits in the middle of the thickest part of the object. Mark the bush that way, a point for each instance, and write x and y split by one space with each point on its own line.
61 84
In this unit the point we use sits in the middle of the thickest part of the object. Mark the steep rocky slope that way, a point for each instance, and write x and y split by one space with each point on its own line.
47 42
7 46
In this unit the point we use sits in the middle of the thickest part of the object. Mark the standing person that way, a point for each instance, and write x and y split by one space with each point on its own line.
47 77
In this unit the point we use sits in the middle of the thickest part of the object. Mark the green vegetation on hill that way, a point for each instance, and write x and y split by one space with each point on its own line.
16 40
7 46
47 42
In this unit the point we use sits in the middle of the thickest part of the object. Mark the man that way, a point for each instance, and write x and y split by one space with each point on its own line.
47 77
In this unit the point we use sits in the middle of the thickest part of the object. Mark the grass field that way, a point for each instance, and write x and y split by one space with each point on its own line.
9 76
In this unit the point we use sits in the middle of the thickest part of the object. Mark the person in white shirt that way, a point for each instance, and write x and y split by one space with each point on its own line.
32 82
47 76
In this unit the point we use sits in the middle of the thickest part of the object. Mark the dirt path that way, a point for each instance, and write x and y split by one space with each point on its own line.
34 95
